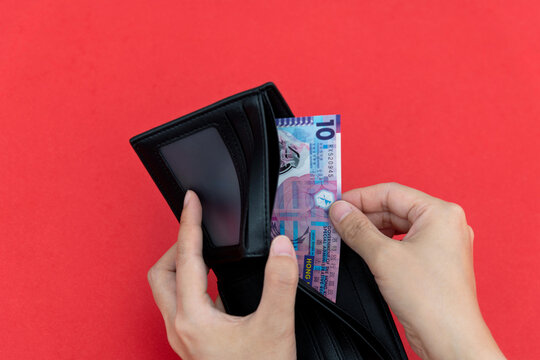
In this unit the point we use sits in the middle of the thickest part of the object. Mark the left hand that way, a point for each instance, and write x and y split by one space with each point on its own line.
198 328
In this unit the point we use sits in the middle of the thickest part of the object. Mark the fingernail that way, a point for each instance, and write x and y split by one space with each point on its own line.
187 196
339 210
281 246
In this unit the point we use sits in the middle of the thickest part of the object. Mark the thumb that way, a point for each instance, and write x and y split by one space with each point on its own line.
357 231
280 281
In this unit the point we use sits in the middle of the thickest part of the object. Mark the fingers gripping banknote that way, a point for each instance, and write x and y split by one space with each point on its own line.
309 182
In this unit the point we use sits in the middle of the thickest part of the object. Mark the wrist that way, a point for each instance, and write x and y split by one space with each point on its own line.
474 342
457 337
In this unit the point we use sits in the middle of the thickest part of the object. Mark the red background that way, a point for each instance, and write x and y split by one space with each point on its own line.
441 96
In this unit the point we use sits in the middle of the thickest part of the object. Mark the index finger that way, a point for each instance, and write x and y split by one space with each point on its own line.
403 201
162 279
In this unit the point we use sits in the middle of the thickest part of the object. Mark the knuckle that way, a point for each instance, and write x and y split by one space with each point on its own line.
152 275
455 211
172 338
453 214
471 232
386 220
392 184
179 325
184 327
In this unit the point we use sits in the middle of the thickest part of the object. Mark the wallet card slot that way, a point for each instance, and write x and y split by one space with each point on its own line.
277 103
259 209
240 123
272 151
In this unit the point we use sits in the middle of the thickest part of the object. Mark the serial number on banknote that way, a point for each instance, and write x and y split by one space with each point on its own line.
309 182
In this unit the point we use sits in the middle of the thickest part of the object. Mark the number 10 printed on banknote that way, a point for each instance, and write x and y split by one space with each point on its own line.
309 182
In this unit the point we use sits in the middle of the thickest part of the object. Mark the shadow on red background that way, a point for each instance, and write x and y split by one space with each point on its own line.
442 97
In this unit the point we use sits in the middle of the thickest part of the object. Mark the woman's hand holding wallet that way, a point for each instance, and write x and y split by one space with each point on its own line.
198 328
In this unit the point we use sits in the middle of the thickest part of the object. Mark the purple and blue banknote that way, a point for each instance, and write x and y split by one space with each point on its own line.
309 182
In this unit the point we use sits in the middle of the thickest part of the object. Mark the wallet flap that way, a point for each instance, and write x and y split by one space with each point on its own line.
227 153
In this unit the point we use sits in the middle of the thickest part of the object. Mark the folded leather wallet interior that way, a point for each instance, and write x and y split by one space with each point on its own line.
228 153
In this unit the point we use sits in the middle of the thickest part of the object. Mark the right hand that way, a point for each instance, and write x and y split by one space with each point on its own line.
427 278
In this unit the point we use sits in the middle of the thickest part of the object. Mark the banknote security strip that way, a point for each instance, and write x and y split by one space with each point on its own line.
309 182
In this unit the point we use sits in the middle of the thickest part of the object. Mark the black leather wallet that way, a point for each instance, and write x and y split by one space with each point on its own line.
228 153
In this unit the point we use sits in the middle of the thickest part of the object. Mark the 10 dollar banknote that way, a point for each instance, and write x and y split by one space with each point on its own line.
309 182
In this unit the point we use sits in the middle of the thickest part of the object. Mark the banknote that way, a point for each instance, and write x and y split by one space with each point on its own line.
309 182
